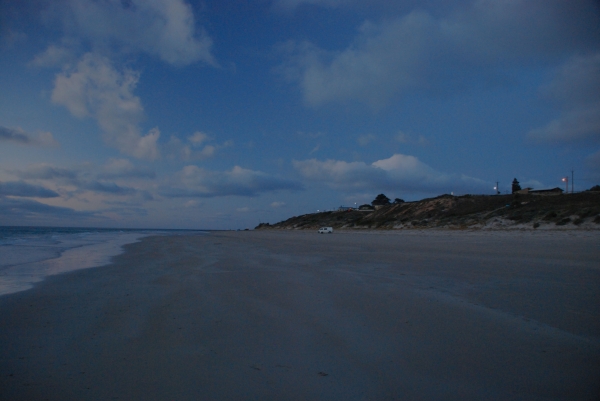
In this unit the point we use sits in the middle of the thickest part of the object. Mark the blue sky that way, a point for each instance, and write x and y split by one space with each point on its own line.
223 114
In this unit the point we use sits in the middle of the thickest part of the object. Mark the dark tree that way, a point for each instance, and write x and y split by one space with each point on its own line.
398 200
595 188
515 186
380 199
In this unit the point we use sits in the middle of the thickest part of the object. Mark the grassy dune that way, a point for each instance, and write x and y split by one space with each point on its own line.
567 211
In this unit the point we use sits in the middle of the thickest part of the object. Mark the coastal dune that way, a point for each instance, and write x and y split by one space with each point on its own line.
288 315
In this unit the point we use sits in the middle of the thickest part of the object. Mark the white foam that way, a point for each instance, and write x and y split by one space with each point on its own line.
26 265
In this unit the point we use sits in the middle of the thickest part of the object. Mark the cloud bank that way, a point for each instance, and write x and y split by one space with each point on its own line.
193 181
163 28
423 51
23 189
17 207
195 147
576 89
18 136
90 178
18 211
400 173
94 88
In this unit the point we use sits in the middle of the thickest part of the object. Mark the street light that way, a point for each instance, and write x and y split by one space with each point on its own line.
566 181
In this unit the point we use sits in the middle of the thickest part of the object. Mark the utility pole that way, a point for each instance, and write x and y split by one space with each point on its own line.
497 188
572 180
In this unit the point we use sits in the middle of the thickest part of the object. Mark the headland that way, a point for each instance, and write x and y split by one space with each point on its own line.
476 212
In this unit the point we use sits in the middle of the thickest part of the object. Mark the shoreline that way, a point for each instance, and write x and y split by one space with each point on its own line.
24 276
261 314
31 259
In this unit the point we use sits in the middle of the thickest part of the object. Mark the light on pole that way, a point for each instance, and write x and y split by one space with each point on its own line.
566 181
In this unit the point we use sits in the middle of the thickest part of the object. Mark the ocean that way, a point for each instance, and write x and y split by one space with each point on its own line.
29 254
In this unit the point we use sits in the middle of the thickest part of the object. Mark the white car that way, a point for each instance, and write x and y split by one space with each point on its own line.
325 230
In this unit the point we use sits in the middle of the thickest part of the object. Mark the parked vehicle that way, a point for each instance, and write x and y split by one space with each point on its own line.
326 230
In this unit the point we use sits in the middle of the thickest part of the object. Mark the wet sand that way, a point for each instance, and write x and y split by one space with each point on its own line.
301 316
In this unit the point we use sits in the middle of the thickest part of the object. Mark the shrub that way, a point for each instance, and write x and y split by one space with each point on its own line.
380 199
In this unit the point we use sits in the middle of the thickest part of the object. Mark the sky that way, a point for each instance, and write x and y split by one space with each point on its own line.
223 114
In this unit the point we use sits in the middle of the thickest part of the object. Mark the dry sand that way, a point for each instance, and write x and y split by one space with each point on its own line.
301 316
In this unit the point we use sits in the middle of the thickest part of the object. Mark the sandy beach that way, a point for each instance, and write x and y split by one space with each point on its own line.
429 315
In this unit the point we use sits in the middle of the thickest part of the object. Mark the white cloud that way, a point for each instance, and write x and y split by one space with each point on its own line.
197 138
193 181
195 148
53 56
94 88
144 147
379 64
164 28
124 168
340 174
399 172
422 50
570 126
276 205
576 88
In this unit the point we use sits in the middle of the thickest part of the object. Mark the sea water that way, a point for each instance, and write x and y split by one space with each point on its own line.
29 254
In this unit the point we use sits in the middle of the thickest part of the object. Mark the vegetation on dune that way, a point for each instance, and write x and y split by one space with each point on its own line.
461 212
381 200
